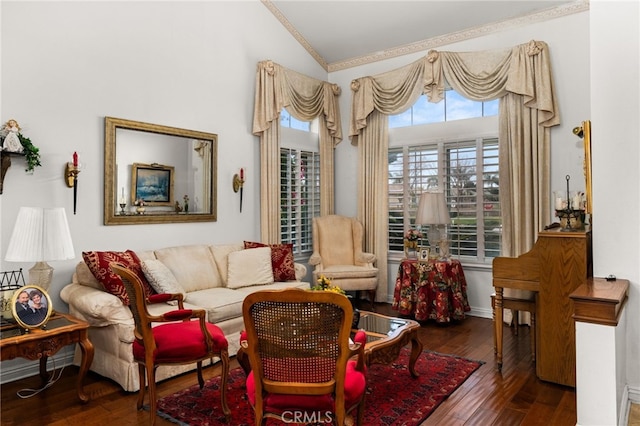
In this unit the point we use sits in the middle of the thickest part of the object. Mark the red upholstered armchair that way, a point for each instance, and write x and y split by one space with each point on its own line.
300 356
186 337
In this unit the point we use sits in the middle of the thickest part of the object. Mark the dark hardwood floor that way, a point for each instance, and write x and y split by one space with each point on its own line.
514 397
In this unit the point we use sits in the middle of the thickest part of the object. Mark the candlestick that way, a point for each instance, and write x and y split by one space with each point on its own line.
567 177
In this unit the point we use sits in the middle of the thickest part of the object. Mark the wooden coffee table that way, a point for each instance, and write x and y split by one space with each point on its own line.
41 343
386 336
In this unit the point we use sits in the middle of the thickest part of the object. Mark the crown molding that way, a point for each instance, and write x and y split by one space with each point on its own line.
431 43
295 33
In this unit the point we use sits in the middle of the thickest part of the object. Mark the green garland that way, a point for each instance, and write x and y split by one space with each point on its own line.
31 152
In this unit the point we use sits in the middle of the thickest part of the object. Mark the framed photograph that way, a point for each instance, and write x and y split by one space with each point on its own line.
31 306
423 255
152 183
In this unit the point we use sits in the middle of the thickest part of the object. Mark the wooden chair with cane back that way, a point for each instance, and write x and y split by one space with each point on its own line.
300 356
183 337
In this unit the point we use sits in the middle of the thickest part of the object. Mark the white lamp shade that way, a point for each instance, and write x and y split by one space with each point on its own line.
432 209
40 235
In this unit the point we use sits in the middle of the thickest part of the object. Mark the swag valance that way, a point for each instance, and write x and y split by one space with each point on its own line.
481 76
305 98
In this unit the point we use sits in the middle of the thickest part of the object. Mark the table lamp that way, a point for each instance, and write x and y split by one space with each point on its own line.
433 211
40 235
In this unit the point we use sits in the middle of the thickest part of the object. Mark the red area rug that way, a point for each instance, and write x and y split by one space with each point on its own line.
394 397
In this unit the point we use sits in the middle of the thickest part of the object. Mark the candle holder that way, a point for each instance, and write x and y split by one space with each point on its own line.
238 185
570 209
571 220
71 172
122 206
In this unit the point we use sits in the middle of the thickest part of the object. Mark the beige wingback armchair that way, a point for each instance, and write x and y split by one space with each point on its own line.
337 254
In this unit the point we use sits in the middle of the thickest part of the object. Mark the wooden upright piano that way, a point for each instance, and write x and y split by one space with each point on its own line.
557 264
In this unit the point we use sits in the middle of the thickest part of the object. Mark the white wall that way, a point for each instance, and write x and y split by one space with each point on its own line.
67 65
615 106
183 64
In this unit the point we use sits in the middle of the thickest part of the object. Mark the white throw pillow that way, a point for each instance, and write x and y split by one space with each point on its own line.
160 277
249 267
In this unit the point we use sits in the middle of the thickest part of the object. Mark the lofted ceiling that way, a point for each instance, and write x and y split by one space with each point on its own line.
347 33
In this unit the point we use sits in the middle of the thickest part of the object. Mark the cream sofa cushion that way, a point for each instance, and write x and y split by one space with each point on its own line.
221 256
84 276
220 303
192 265
250 267
160 277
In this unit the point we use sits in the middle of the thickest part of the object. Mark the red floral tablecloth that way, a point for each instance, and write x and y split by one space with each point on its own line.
434 290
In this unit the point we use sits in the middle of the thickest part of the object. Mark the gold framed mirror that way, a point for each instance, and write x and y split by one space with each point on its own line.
584 132
179 165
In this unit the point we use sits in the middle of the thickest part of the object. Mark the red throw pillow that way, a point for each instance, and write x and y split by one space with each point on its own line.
281 260
98 263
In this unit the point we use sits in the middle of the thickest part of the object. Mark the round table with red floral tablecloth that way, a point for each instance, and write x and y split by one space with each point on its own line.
434 289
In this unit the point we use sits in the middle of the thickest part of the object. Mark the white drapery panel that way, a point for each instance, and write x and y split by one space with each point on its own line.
520 77
305 98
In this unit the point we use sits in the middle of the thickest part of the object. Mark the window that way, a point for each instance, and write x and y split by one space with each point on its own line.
287 120
453 107
467 171
299 183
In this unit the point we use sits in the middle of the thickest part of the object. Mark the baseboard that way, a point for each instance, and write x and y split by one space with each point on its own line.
480 312
474 312
20 368
629 396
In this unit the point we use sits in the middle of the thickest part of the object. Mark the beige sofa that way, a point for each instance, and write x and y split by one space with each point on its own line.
213 277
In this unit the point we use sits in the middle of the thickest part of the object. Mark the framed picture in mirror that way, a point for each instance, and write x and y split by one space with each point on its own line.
31 306
152 183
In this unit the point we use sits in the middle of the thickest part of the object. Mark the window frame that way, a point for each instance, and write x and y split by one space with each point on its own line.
300 141
440 134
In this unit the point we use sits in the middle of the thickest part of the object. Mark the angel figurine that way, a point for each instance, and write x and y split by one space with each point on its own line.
10 139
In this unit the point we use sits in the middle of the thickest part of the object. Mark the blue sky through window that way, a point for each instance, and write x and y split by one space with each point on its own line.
453 107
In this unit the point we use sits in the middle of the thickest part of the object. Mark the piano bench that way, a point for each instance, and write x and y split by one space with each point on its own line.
516 305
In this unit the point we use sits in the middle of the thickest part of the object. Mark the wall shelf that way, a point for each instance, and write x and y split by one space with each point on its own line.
5 163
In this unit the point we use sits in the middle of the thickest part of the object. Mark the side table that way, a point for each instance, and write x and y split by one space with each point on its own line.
435 290
61 330
386 336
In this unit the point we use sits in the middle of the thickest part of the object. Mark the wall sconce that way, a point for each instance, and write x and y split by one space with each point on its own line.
238 183
578 131
71 178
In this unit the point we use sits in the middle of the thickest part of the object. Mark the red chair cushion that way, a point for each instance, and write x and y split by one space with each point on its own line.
282 261
354 388
181 342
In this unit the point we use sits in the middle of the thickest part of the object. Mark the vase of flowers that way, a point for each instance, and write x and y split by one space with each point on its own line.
324 284
411 239
186 203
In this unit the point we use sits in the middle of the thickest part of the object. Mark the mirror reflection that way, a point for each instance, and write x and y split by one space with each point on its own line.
158 174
